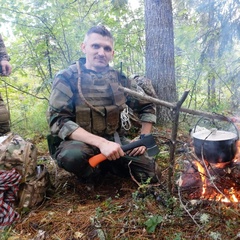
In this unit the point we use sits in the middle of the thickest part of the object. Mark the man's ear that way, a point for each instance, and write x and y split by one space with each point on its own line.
112 55
83 47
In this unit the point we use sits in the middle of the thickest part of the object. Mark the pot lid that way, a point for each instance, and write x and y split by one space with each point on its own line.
214 135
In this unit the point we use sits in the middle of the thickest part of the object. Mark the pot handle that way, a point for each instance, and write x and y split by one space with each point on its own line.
230 121
227 119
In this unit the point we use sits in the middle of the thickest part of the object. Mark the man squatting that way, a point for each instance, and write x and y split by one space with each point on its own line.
85 110
6 70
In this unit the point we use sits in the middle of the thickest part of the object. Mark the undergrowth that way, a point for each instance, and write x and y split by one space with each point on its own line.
120 209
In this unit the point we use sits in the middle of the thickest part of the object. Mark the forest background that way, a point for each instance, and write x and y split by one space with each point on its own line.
43 37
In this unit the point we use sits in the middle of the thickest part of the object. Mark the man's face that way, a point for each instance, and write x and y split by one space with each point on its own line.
98 50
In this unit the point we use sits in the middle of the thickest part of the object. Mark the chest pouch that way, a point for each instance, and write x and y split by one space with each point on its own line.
83 118
98 121
4 114
112 119
4 118
119 97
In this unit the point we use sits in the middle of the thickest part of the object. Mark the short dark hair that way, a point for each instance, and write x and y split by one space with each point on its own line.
99 29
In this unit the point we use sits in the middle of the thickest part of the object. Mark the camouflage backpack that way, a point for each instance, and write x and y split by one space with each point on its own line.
15 152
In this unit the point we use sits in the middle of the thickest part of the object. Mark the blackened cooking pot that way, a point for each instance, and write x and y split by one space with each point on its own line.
215 146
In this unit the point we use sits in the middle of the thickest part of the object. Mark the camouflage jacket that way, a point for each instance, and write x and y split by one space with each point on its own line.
61 114
3 51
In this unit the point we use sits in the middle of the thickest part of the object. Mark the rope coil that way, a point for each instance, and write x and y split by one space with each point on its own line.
125 120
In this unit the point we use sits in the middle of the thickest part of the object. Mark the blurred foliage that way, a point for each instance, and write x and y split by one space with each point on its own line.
43 38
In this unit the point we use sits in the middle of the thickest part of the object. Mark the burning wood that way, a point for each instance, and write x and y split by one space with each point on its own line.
213 182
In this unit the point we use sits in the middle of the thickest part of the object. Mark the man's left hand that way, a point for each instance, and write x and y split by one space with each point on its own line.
137 151
6 68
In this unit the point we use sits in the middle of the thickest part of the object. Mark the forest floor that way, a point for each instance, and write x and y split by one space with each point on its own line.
120 208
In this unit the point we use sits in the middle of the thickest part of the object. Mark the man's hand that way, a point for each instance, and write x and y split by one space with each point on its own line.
6 68
137 151
146 129
111 150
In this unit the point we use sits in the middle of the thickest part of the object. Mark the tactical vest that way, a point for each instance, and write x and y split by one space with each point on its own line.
101 115
4 118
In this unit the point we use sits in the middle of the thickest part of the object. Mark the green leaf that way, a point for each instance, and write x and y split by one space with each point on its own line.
152 223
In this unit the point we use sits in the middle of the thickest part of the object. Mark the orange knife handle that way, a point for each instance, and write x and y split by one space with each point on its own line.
95 160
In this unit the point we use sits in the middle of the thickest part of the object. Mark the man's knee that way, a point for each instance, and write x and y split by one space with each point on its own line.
146 170
69 159
73 156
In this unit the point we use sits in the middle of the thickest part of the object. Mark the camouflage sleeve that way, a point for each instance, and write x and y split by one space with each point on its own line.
3 51
61 110
145 110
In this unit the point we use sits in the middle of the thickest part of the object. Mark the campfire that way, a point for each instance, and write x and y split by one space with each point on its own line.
218 183
202 179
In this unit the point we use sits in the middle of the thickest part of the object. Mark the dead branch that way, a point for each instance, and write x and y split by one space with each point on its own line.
173 105
175 122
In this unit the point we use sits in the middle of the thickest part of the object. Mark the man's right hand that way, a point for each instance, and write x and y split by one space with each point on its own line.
111 150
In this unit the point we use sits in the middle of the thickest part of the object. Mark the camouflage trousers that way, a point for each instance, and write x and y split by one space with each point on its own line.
73 156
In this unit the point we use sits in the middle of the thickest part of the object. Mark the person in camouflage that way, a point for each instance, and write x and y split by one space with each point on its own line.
4 59
5 70
90 115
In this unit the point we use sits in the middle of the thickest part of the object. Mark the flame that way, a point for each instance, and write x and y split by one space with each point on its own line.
213 193
237 156
201 170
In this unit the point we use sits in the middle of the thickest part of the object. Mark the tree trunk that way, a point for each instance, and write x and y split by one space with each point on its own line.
211 53
160 52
